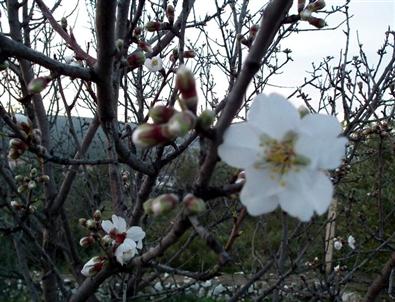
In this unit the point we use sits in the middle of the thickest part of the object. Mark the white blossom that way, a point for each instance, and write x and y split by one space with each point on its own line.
351 242
127 241
284 157
93 266
337 244
153 64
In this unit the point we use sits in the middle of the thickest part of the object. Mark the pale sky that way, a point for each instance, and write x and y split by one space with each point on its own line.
371 19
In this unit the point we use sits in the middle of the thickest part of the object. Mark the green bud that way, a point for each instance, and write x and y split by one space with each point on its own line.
206 119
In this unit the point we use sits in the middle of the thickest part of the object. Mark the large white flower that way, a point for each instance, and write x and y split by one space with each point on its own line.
284 157
153 64
127 241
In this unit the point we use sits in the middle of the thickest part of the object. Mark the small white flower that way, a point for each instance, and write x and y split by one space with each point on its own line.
337 268
284 157
154 64
305 14
351 242
337 244
128 241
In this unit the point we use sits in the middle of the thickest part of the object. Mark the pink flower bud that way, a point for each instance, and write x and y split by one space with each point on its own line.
317 22
107 240
144 46
63 23
253 30
23 122
17 143
38 84
181 122
91 224
301 4
82 222
189 54
170 13
153 26
32 185
305 14
206 119
161 114
316 5
149 135
185 83
4 65
36 136
137 31
163 204
148 206
193 204
97 215
93 266
16 205
87 241
136 59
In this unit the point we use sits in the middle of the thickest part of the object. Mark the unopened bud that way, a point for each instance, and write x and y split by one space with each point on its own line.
137 31
22 188
206 119
148 206
87 241
164 203
32 184
82 222
305 14
149 135
36 136
153 26
23 122
136 59
97 215
189 54
317 22
185 83
43 178
91 224
38 84
16 205
301 4
161 114
119 45
181 123
33 172
32 209
4 65
19 178
170 13
93 266
107 240
316 5
253 30
144 46
16 143
63 23
241 39
193 204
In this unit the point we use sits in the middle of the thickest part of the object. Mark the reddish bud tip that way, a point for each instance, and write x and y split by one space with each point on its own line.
161 114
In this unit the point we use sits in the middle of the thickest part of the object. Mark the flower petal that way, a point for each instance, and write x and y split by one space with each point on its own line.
119 223
135 233
107 226
318 140
240 148
258 193
273 115
306 192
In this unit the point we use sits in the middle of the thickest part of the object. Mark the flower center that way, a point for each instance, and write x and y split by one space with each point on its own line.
120 238
154 62
280 156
